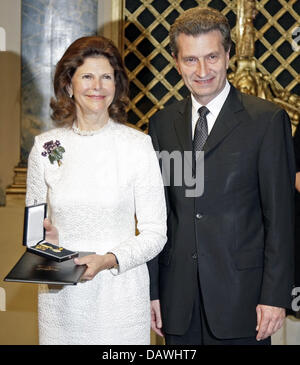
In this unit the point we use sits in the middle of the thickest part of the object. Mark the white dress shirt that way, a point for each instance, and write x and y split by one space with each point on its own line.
214 107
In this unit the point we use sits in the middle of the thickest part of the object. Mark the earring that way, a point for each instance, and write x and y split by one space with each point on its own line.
69 91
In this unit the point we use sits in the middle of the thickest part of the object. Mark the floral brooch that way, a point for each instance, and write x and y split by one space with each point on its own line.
54 151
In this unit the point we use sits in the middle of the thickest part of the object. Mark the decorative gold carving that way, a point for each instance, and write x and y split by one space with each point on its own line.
246 77
246 12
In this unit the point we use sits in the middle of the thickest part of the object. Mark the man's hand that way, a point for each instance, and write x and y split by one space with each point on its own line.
269 320
95 263
156 322
51 232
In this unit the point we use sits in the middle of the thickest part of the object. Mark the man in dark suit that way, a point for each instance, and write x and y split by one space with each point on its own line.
225 275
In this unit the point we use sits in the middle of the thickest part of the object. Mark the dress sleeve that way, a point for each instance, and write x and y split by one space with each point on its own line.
150 209
36 191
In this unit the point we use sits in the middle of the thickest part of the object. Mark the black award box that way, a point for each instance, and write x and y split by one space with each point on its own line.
36 269
43 262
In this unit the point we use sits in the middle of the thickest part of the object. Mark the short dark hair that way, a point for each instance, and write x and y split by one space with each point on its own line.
197 21
63 107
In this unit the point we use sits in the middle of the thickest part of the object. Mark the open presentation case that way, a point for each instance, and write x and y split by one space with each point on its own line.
44 262
34 236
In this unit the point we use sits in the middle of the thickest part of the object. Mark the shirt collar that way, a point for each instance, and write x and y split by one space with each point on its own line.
215 105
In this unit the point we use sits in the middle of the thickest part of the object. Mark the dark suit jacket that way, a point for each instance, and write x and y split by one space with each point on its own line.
238 236
297 210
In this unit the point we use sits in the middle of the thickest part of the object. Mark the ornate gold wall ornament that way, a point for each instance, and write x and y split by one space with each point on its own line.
246 12
246 77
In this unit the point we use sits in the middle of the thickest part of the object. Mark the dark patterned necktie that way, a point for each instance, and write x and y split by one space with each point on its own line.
201 130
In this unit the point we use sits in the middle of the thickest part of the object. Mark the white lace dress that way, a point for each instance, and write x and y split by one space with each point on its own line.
103 181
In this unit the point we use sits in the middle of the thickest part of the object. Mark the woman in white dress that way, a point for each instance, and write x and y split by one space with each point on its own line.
97 174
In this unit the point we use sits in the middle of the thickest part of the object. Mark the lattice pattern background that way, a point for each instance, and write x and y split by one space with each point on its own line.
274 25
154 79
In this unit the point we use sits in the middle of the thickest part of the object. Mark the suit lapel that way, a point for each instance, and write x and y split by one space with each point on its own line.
227 120
183 125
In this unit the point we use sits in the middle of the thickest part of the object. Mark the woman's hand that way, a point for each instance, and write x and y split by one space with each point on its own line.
95 264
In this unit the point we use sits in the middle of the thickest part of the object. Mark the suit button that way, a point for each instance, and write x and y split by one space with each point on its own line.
199 215
194 256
